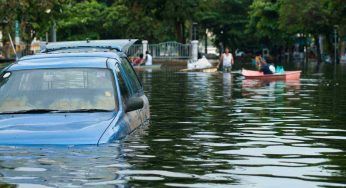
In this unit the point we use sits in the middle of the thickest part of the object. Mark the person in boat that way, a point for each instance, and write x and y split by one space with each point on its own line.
262 64
265 68
226 61
148 59
139 60
259 59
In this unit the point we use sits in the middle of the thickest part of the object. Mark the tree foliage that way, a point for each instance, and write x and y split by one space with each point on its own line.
34 15
234 23
82 20
227 19
264 21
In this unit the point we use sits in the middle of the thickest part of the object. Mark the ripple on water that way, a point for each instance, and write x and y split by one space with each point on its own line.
28 185
279 150
207 131
162 173
30 169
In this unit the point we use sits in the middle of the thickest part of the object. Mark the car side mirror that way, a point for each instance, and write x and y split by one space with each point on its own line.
134 103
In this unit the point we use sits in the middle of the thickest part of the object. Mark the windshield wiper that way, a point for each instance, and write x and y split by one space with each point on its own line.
31 111
84 110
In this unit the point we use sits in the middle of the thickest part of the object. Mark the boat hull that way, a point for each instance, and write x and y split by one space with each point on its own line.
288 75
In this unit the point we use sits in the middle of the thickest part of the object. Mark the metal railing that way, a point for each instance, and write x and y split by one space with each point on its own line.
170 50
166 50
134 50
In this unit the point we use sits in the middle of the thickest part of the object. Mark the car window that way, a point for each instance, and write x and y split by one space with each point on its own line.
130 75
124 87
58 89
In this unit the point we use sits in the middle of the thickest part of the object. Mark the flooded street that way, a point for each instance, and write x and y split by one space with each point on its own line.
209 130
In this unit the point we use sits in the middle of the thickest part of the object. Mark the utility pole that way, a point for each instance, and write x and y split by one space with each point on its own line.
54 31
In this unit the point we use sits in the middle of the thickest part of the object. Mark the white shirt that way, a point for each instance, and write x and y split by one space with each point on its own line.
149 60
227 60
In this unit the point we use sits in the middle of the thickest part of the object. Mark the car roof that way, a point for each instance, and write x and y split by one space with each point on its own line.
65 60
117 45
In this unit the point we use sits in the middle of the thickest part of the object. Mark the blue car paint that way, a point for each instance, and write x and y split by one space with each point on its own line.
118 128
117 44
65 128
72 62
67 55
53 128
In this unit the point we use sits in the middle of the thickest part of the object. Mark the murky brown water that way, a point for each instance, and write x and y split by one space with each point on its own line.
210 130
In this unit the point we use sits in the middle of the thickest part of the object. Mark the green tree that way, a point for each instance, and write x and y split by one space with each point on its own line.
227 20
306 17
35 16
143 23
82 20
264 23
175 17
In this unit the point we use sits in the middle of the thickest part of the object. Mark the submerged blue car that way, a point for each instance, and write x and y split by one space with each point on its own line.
70 98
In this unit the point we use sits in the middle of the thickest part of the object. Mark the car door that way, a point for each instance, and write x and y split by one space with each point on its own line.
127 90
144 113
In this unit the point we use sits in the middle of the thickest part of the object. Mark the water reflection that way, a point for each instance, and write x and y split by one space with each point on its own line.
227 86
209 130
269 89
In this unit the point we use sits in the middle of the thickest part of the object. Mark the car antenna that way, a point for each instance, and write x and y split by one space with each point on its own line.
14 49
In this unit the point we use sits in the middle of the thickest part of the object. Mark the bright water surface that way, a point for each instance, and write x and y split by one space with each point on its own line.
209 130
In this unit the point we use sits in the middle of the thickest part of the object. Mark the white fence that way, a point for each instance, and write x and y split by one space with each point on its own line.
166 50
135 50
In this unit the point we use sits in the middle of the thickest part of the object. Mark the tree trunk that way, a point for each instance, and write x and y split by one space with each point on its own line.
7 49
206 43
306 49
330 47
182 26
318 49
178 31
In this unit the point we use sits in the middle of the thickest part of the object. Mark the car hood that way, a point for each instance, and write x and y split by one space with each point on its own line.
55 128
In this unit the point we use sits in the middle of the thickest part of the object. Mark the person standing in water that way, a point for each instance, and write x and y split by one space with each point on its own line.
148 59
226 60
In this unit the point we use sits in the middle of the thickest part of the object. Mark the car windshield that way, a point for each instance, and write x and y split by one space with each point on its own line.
60 90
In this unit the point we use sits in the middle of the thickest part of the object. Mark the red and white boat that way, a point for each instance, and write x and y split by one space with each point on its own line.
287 75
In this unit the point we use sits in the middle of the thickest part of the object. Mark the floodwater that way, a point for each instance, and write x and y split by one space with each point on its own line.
209 130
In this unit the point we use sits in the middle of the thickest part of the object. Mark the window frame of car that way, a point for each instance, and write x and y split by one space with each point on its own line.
126 62
123 80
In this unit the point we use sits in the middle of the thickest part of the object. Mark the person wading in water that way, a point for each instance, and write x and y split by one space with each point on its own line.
226 61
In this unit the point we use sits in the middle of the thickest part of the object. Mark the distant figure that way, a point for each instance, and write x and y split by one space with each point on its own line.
139 60
226 60
259 59
265 68
148 59
262 64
